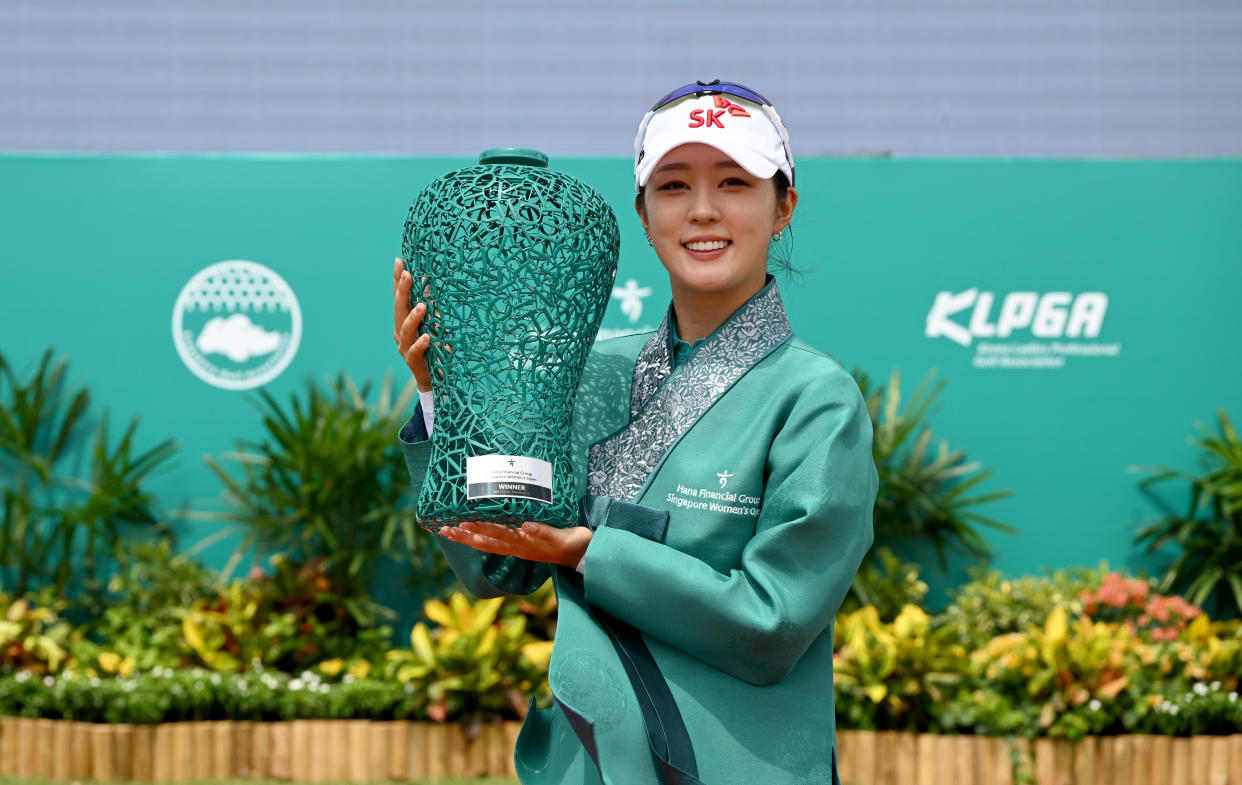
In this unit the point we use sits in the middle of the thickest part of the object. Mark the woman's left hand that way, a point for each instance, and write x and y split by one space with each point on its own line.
532 541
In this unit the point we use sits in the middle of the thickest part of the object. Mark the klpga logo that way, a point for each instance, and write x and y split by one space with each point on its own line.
1050 315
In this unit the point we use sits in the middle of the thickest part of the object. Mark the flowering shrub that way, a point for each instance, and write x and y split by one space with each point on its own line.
1129 600
1105 655
1045 672
477 660
1205 708
992 604
288 620
1070 654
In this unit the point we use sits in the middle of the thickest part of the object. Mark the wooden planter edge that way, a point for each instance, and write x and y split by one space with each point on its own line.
899 758
367 751
302 750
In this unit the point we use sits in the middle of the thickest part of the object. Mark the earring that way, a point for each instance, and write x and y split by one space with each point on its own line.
776 238
649 239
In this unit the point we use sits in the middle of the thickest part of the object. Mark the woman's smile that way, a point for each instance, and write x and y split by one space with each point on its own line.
706 249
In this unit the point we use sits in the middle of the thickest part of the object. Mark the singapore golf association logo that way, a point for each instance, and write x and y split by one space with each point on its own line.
236 325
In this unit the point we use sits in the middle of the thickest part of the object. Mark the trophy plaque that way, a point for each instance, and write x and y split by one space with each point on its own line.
515 262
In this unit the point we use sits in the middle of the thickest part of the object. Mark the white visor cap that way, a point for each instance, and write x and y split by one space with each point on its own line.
742 130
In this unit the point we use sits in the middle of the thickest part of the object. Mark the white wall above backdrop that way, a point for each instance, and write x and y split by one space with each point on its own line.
963 78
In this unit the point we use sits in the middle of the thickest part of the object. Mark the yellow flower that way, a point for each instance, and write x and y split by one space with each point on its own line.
360 669
332 667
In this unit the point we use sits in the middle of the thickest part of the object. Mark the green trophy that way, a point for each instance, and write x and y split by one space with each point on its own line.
515 262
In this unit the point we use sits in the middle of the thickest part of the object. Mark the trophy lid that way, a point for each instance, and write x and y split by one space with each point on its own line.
514 155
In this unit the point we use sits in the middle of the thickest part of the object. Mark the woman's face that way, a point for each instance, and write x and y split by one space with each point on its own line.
710 222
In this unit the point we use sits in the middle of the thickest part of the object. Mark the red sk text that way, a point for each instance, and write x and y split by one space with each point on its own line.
699 118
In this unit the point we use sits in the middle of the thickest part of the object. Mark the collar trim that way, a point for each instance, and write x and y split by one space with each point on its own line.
665 402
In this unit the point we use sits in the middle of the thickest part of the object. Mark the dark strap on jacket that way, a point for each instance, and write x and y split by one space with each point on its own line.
666 730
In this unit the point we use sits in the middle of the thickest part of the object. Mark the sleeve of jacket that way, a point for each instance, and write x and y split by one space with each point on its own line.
813 529
483 574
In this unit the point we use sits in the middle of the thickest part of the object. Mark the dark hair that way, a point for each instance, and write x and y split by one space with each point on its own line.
779 254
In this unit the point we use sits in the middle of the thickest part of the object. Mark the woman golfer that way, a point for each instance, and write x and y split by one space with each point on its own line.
729 492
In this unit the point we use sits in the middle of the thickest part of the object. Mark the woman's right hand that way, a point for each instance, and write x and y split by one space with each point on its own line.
405 321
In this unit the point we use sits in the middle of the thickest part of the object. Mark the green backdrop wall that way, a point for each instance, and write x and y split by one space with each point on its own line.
1085 314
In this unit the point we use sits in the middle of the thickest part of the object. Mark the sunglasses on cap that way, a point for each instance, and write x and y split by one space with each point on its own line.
700 88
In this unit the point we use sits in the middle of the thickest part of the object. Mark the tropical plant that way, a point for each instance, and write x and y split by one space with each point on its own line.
1208 535
539 608
928 493
476 662
32 637
1076 676
58 529
258 623
889 675
887 583
147 598
327 485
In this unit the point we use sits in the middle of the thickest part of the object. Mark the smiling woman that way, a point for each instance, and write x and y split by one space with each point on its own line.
711 222
728 487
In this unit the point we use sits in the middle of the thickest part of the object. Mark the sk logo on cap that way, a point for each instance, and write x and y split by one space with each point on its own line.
709 117
733 109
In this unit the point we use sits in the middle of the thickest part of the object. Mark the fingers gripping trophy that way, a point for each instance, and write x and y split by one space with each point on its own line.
514 263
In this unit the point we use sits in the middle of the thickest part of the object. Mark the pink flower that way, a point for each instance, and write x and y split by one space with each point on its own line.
1158 607
1110 595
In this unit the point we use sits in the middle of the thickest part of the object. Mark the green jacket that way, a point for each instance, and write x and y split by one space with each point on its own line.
731 500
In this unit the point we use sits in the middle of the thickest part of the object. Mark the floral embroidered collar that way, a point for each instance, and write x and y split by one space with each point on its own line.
666 401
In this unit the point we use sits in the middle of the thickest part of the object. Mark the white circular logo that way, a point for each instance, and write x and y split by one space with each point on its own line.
236 325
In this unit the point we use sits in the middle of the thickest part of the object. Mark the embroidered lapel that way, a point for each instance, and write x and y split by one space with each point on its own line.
666 402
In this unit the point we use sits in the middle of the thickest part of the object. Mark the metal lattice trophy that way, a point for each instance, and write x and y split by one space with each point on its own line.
515 262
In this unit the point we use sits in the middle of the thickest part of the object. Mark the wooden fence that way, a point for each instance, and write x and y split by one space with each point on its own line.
303 750
362 751
892 758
